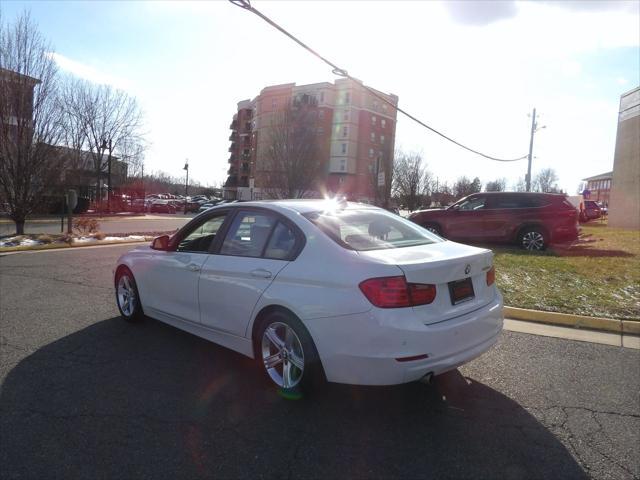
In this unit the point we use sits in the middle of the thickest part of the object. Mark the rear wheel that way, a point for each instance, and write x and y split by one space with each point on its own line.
285 351
127 296
533 238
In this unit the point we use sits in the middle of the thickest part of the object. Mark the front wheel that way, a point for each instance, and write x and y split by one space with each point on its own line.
533 239
127 296
287 353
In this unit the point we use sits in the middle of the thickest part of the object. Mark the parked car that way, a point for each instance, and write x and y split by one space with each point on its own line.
531 220
162 206
317 290
591 211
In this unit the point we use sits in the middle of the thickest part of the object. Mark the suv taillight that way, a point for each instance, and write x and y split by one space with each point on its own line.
395 292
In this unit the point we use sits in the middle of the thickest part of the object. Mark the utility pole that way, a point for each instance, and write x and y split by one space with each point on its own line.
186 185
530 157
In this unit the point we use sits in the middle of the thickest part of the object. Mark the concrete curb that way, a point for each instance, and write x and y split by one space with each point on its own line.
575 321
82 245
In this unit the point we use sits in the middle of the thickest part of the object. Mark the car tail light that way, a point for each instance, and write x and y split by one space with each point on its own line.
395 292
491 276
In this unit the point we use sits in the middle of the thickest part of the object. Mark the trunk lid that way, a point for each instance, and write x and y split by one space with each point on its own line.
441 264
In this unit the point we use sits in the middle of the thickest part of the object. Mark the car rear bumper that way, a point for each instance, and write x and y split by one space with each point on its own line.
363 349
565 234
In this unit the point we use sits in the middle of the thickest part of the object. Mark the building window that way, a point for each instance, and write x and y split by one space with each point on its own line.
373 136
343 148
384 107
321 97
345 131
345 116
320 131
274 103
371 153
347 98
341 180
373 119
375 105
383 123
382 139
321 114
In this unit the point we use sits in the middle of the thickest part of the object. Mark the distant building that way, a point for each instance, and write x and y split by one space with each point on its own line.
624 207
599 187
355 129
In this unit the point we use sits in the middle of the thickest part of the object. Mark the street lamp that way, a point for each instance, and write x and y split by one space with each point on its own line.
104 146
186 184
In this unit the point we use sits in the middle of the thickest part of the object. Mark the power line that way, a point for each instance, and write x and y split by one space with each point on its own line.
336 70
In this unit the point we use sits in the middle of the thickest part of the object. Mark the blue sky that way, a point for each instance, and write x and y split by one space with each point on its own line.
473 70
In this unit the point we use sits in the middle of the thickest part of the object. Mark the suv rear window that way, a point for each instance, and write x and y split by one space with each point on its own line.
371 229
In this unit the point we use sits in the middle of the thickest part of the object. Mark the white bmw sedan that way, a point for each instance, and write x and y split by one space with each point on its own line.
319 290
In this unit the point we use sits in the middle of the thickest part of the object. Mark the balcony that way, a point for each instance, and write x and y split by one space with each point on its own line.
244 168
232 158
232 171
233 136
232 147
232 181
234 125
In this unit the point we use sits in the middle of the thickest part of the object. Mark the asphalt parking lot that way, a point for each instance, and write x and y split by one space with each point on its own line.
85 395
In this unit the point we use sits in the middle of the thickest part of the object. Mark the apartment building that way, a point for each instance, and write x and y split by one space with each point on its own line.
355 137
598 187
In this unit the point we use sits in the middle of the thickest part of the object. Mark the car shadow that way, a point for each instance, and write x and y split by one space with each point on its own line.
148 400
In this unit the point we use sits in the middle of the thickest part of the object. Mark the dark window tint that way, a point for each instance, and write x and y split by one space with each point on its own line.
202 236
248 234
281 244
515 201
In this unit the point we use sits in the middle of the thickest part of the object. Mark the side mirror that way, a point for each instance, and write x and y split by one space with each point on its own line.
160 243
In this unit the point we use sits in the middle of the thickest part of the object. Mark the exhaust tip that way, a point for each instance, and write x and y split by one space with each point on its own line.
427 379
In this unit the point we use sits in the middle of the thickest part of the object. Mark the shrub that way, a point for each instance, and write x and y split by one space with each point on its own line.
85 225
66 238
99 235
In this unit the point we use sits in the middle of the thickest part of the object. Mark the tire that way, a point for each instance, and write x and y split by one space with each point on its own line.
433 228
127 296
295 368
533 239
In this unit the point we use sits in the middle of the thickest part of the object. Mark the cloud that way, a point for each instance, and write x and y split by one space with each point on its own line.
482 12
87 72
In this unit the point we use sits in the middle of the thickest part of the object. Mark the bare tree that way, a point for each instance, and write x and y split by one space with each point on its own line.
520 185
497 185
410 176
546 181
292 163
464 186
29 118
108 119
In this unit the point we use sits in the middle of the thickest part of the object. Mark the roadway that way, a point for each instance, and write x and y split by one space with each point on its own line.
86 395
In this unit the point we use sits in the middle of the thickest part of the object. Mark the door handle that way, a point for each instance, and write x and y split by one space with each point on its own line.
193 267
261 273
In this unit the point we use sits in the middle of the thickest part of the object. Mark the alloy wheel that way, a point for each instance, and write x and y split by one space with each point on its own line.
126 295
533 241
282 355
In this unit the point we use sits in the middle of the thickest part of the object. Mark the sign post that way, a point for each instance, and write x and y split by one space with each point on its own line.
71 201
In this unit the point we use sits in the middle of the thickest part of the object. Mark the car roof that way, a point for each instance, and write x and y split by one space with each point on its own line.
301 206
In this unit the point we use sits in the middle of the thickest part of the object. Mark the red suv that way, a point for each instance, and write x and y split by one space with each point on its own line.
532 220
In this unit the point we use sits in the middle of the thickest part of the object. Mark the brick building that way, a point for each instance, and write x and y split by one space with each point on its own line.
599 187
355 139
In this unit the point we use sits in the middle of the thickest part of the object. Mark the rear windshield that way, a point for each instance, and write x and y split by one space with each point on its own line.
371 229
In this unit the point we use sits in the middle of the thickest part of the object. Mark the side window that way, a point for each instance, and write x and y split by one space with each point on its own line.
474 203
248 234
281 244
202 236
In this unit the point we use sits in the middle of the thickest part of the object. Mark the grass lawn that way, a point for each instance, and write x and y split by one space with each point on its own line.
600 276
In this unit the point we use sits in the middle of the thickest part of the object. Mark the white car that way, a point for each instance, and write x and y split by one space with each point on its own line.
319 290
